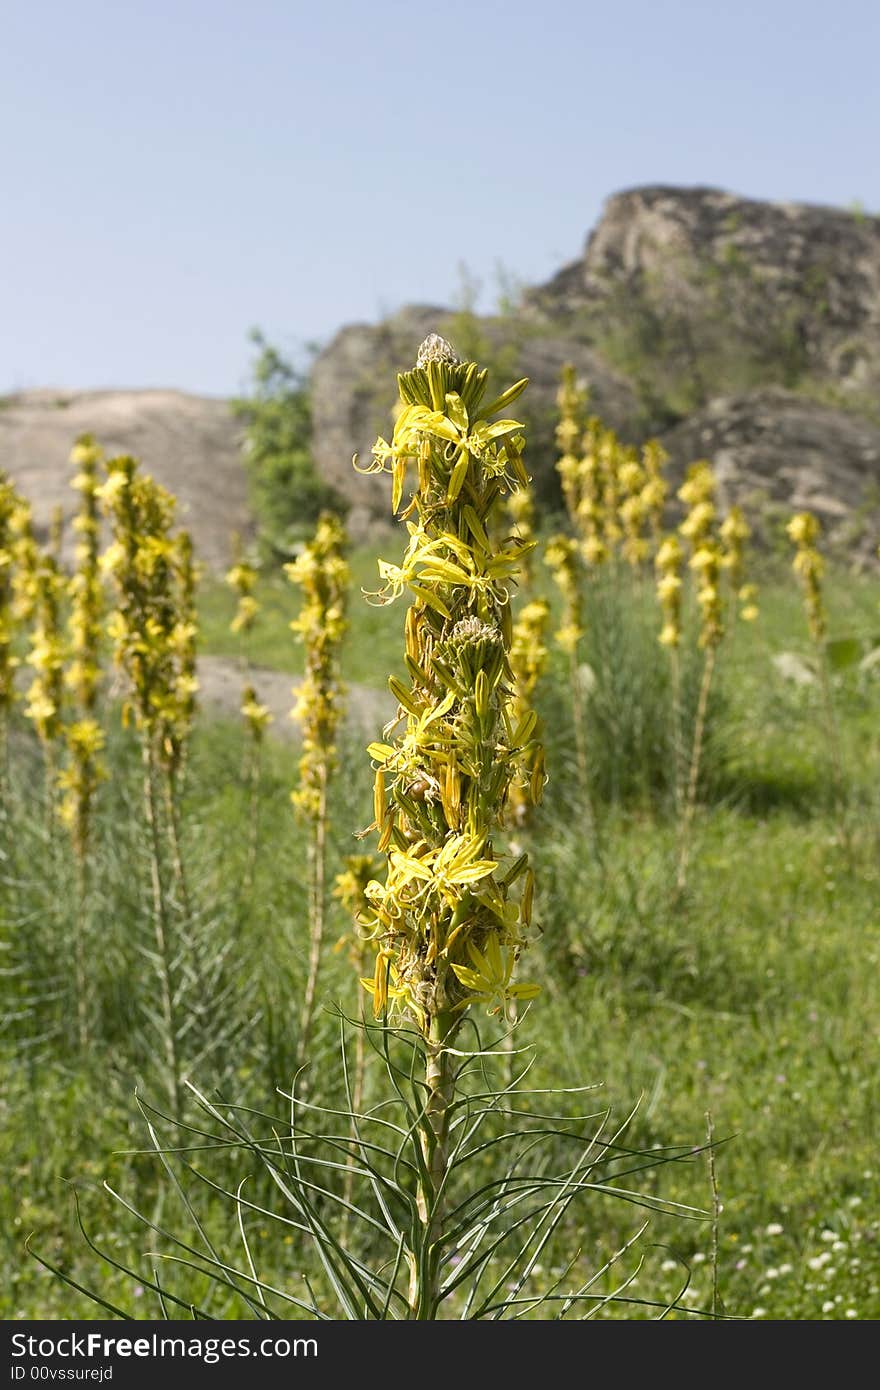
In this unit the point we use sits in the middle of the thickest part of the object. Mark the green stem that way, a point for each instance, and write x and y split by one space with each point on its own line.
317 872
80 974
424 1290
253 783
357 1099
172 809
507 1046
161 928
4 759
833 734
678 745
580 742
694 777
716 1211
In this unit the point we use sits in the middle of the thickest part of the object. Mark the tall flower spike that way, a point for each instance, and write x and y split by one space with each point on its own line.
528 661
56 535
8 504
570 400
242 579
521 510
697 492
699 529
450 919
8 660
25 560
735 532
632 512
590 516
804 531
257 717
611 456
153 632
656 488
562 559
323 574
153 625
706 562
184 637
46 657
668 563
84 737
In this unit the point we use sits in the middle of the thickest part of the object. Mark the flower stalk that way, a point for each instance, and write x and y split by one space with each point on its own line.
804 531
84 737
322 573
452 917
668 563
242 579
153 632
699 528
8 660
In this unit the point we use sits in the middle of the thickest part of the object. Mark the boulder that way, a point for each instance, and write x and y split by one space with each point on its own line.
191 444
681 295
776 452
772 292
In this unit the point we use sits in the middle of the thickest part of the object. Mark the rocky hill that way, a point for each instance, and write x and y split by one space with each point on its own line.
191 444
745 331
742 331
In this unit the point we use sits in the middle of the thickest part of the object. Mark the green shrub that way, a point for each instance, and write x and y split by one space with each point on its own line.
286 492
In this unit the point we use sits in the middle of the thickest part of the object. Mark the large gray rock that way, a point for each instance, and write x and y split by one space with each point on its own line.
191 444
681 295
725 287
776 452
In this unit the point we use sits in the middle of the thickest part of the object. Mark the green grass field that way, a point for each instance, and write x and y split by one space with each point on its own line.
752 996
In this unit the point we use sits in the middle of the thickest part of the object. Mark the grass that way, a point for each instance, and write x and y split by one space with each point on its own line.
372 654
754 996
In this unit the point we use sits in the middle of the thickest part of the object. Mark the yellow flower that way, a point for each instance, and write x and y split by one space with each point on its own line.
489 976
257 717
803 529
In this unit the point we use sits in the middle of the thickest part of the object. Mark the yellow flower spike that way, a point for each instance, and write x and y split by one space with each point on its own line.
656 488
256 716
153 627
446 775
734 533
528 656
562 559
699 486
571 401
804 531
322 573
747 597
46 657
84 739
521 510
9 506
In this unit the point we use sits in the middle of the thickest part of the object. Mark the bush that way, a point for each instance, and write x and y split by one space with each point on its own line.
286 492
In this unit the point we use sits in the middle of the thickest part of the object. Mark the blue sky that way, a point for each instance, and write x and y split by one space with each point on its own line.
177 172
